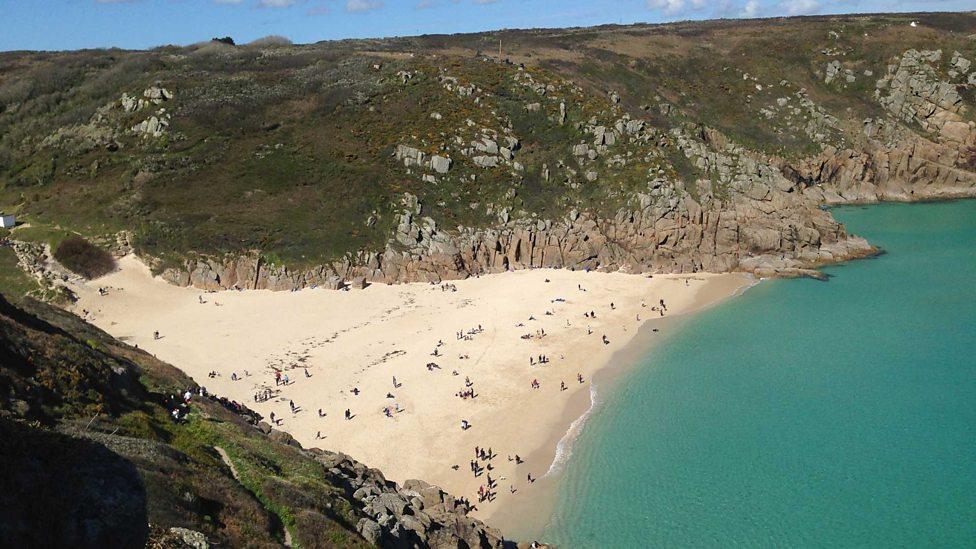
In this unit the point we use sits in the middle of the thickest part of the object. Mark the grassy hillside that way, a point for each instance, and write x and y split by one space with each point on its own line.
289 151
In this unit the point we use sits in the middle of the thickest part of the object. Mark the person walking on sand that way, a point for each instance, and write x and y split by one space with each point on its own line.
579 377
348 414
156 334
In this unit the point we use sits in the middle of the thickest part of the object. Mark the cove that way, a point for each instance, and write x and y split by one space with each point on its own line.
802 413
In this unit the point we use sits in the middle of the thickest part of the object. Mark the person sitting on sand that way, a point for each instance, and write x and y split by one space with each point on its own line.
321 413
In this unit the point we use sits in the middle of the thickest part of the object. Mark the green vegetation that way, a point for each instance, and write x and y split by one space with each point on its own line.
14 281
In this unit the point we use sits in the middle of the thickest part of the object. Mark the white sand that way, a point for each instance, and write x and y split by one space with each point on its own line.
363 338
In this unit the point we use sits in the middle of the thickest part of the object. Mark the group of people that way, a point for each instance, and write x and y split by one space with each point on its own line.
468 336
264 395
542 359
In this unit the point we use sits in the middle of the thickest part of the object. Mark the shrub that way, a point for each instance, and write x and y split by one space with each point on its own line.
269 41
84 258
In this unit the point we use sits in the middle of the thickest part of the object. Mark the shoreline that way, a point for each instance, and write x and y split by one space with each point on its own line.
528 520
357 340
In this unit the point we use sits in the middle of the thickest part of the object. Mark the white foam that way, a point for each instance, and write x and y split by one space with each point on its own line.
564 448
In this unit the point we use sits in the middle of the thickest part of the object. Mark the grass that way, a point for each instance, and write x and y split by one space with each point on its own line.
14 282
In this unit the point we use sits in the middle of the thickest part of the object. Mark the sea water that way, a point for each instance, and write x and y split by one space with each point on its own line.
802 413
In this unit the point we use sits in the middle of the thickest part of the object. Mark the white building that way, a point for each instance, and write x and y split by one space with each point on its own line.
7 221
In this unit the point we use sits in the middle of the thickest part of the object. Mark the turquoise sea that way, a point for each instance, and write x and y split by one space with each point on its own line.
802 413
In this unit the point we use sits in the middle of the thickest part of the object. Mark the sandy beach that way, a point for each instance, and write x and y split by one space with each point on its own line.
397 357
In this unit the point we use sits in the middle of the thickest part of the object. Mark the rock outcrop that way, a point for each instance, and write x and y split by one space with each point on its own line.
413 515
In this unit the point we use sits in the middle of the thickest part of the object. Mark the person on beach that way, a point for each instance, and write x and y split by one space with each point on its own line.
562 385
321 413
156 334
348 414
579 377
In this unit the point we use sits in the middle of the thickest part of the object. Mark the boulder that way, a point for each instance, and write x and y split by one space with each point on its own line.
370 530
440 164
